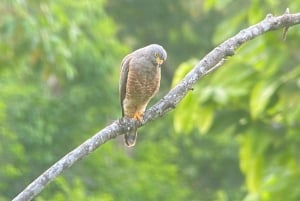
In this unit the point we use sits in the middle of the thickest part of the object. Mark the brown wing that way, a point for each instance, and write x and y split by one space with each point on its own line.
123 79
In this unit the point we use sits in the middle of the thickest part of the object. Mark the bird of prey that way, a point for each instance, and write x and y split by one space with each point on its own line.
139 82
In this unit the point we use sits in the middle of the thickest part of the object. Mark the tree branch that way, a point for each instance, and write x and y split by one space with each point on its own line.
210 62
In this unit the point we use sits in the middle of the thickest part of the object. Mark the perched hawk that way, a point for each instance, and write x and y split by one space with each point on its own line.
139 82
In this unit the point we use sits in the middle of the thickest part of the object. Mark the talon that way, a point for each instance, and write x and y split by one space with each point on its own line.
138 116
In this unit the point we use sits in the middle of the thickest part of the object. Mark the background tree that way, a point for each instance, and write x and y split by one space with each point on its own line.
234 138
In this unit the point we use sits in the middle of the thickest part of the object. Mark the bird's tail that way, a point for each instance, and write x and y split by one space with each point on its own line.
130 138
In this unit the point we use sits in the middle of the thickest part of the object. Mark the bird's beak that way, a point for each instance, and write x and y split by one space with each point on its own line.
159 61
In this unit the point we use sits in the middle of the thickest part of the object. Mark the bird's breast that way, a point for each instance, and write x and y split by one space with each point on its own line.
143 84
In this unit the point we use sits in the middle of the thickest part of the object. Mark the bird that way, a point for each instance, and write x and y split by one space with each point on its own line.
140 77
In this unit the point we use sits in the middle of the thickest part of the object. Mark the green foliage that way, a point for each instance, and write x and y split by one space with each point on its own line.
180 26
255 106
234 137
53 83
184 120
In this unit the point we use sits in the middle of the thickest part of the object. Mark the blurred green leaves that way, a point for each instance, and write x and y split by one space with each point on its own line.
234 137
254 94
59 57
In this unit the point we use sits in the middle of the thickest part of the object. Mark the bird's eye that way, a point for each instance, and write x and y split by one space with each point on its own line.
156 54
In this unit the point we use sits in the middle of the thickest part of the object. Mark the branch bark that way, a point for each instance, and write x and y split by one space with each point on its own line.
210 62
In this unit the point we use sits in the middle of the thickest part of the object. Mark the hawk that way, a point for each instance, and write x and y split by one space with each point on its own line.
139 82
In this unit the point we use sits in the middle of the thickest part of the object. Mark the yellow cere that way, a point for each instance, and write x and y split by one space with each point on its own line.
159 60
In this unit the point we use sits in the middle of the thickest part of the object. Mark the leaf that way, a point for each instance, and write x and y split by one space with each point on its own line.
222 32
182 70
209 5
261 96
250 162
255 12
205 119
183 115
220 95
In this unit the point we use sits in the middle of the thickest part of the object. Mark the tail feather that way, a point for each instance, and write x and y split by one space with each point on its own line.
130 138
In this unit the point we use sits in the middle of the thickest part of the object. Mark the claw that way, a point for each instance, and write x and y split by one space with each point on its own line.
138 116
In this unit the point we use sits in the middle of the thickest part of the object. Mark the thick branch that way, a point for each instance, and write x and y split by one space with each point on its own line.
211 61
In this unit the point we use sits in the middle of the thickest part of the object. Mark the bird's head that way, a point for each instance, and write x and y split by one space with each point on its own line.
158 54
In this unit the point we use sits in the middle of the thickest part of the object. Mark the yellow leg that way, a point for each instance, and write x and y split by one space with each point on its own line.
138 116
